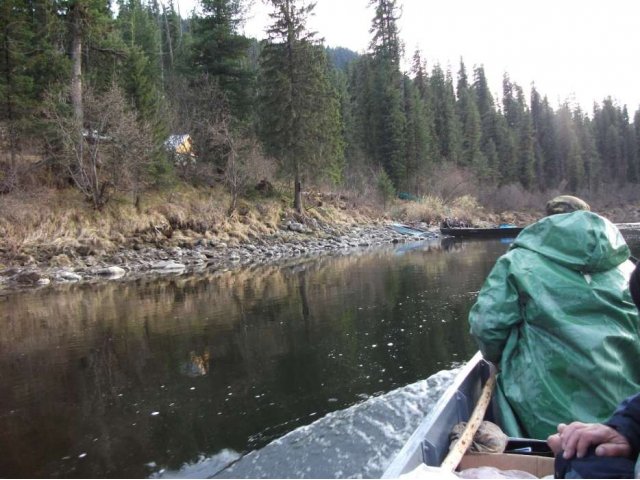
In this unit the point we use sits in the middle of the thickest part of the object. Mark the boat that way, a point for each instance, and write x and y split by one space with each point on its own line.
429 443
407 230
510 231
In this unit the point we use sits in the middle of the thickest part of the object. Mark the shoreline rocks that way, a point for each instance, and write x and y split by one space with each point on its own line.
291 241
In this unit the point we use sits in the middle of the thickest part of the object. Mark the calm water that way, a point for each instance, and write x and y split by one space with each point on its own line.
135 379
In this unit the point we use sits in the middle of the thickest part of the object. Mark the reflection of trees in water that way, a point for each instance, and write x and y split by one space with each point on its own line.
282 340
161 302
99 368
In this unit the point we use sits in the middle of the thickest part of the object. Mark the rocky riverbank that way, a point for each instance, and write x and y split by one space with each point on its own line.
187 255
177 242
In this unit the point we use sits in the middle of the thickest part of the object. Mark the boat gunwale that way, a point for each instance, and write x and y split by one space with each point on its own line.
413 447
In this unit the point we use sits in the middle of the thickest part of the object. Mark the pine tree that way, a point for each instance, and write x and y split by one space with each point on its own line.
140 30
341 123
609 128
510 107
536 124
147 99
388 114
588 150
486 109
469 118
519 122
385 43
390 121
545 143
422 84
526 156
142 75
33 63
420 75
506 146
172 37
220 51
416 140
572 169
361 129
385 187
447 126
299 110
17 89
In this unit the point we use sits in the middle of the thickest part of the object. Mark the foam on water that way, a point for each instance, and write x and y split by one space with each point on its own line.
203 468
357 442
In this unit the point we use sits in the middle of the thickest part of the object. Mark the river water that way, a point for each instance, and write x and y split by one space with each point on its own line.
319 367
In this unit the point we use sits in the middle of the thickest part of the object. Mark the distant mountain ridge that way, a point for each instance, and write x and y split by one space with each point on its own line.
341 57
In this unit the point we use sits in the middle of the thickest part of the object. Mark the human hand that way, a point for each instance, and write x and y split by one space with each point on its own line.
577 437
555 443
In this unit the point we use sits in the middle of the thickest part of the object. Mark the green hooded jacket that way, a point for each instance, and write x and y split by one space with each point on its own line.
556 316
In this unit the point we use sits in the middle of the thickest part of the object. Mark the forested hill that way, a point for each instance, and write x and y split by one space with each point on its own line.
91 95
340 57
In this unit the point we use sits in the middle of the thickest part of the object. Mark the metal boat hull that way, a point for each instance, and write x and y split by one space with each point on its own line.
429 443
508 232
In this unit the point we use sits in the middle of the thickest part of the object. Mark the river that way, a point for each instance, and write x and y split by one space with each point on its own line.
337 356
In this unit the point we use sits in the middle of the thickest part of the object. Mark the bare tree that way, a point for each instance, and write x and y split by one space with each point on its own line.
115 150
241 150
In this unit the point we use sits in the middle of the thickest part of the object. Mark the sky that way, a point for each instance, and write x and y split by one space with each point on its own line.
576 51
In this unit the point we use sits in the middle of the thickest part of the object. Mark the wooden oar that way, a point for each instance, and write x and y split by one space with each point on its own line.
464 441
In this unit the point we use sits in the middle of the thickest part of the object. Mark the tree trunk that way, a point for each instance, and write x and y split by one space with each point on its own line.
76 80
160 49
8 61
76 69
169 43
234 203
297 198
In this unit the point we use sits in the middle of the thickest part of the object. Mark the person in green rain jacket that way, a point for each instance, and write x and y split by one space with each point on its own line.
555 315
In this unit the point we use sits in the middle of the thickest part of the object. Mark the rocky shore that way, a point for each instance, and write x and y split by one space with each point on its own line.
193 255
176 249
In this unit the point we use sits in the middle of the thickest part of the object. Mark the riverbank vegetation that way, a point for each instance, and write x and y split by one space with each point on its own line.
126 124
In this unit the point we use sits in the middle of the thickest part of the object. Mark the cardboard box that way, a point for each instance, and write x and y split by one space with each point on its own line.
533 464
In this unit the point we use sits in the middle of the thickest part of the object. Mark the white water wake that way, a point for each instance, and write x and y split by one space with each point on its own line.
357 442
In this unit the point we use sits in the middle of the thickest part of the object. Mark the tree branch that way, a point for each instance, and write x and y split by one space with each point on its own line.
111 51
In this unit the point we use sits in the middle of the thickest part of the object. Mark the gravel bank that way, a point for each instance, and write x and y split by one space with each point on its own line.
195 255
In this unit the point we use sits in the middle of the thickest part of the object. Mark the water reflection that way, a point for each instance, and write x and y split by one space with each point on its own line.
198 365
123 379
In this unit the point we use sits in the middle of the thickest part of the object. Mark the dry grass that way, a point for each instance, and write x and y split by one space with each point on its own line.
43 217
62 219
49 222
52 222
433 209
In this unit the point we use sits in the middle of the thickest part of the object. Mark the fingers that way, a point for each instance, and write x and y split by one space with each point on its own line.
576 438
583 439
555 443
569 445
571 434
613 450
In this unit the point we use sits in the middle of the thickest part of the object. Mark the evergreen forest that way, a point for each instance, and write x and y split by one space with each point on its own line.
91 91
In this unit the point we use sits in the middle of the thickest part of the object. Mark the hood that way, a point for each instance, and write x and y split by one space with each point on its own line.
581 240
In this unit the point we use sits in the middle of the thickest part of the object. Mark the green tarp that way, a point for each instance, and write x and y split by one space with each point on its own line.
556 316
